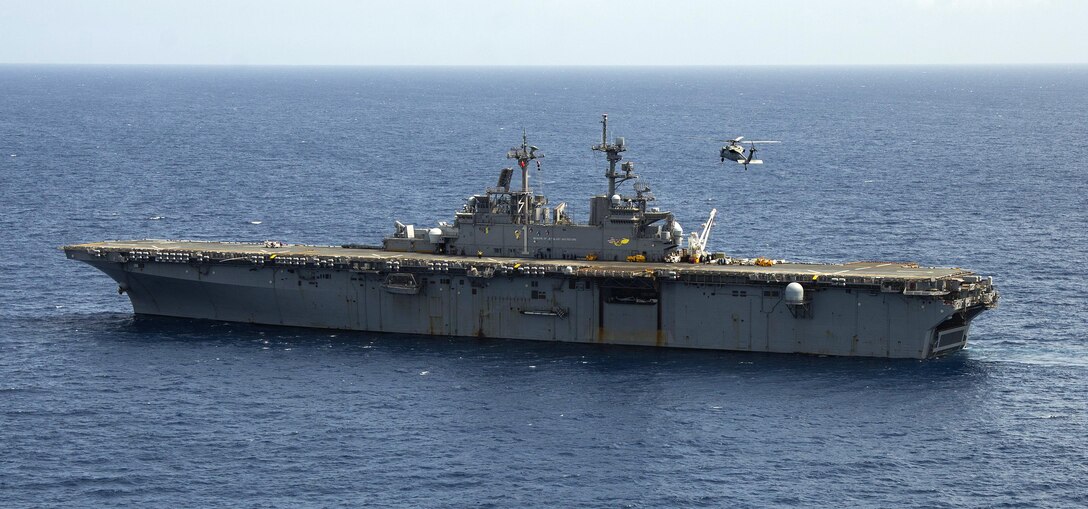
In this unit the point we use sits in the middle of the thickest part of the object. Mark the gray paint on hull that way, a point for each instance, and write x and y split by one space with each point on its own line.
748 317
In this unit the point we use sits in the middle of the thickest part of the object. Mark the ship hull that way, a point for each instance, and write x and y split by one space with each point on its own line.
739 316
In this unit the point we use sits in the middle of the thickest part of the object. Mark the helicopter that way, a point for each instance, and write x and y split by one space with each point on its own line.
734 151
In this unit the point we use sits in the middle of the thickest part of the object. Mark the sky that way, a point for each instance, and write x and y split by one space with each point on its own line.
538 32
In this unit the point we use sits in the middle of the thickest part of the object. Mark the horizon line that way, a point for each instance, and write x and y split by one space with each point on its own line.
544 66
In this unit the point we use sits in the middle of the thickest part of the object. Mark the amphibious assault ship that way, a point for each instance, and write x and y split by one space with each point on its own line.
510 265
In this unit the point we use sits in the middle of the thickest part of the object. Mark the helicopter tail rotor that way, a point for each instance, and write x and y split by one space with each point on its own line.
751 154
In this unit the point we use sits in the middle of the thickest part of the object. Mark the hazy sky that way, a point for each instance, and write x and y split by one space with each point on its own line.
537 32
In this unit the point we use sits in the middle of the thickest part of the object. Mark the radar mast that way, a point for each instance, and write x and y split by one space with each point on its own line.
524 154
612 151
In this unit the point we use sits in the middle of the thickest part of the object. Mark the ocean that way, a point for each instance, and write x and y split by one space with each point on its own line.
976 167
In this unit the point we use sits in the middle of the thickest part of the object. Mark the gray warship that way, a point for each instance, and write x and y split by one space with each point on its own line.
511 265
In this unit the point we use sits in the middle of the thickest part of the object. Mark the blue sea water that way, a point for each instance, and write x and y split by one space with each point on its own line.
980 167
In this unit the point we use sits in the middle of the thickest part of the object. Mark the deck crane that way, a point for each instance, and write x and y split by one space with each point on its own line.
697 243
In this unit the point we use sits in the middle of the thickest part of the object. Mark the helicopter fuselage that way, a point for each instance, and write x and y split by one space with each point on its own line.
733 153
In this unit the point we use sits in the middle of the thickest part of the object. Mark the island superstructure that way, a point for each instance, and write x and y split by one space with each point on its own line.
511 265
513 221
